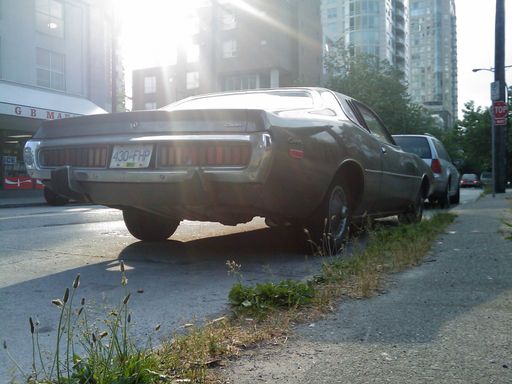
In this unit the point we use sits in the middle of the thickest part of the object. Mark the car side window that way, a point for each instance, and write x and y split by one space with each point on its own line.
347 108
374 125
332 103
441 151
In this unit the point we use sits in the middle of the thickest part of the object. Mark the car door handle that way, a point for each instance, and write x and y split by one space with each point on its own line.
384 150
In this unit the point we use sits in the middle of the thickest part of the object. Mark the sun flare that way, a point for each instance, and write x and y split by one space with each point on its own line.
151 30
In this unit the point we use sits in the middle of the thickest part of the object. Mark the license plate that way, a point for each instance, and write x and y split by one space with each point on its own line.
131 156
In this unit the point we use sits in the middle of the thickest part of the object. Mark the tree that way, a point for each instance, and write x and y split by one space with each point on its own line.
379 85
470 140
475 138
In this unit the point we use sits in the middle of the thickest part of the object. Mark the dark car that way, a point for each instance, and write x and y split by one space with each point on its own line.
470 180
297 156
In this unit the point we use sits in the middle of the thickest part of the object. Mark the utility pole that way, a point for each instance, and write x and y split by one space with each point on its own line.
499 127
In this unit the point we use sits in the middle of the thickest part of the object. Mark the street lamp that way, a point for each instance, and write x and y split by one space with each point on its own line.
495 95
488 69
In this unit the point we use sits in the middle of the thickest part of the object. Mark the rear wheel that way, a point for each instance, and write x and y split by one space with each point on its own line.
149 227
53 198
444 200
414 213
455 199
331 223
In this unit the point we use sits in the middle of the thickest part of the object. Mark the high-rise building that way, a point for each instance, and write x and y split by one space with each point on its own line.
433 42
238 45
55 62
374 27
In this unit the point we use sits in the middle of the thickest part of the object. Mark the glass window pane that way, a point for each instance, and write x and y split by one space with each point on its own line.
55 9
192 80
150 84
43 78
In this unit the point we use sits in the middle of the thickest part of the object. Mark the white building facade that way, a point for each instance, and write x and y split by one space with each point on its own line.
374 27
433 71
55 62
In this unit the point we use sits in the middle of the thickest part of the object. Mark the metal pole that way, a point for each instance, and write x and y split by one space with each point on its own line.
499 77
493 151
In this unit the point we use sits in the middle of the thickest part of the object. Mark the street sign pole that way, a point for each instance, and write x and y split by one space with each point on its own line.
499 125
493 151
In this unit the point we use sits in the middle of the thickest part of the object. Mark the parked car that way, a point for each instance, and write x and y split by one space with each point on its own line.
433 153
470 180
486 178
296 156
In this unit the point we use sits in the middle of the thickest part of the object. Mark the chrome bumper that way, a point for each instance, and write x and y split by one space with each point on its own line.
255 172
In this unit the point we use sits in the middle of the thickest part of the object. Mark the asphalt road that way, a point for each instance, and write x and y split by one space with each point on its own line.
179 281
182 280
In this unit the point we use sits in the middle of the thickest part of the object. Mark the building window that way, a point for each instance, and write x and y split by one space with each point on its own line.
50 17
228 19
192 80
229 49
332 13
193 53
238 82
50 69
150 84
150 105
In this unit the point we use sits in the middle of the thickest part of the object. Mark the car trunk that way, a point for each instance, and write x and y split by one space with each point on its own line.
210 138
156 122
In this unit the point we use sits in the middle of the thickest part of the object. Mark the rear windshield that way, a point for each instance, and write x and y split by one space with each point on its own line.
469 176
416 145
272 100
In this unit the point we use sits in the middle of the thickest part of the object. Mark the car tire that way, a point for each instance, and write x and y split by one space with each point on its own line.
330 225
444 199
53 198
455 199
414 212
149 227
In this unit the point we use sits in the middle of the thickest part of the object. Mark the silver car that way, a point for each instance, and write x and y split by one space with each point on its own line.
433 153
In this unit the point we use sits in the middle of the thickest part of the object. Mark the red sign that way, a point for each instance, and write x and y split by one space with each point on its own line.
21 182
500 112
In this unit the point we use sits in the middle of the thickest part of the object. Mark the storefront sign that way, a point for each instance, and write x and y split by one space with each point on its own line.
22 182
33 112
9 160
18 182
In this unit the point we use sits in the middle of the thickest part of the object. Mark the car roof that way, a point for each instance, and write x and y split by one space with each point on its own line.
260 90
414 135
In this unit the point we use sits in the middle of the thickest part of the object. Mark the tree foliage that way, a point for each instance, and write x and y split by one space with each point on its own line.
379 85
470 141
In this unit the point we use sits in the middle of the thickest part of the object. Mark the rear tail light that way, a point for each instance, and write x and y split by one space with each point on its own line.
436 166
85 157
204 154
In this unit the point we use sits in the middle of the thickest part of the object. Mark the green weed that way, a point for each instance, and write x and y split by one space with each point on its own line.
258 300
87 353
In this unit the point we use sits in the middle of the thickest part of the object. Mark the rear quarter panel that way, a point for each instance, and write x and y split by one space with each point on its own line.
298 185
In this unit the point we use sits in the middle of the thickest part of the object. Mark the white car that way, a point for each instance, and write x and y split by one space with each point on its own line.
433 153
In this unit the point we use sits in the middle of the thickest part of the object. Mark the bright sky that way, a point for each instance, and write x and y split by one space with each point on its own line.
154 26
475 38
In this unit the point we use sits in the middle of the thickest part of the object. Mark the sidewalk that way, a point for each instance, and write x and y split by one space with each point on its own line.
447 321
21 198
